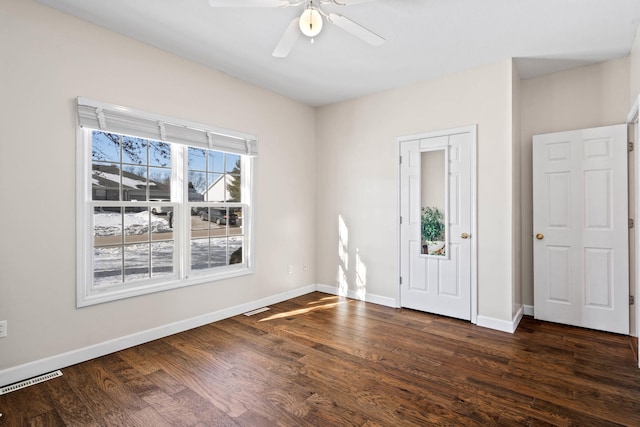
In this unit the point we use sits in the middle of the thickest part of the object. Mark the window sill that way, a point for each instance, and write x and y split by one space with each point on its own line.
95 296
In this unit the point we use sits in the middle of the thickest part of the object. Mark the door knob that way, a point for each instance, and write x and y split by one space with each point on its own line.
539 236
464 236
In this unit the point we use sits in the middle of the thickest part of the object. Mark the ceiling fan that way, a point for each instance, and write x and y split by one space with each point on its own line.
309 22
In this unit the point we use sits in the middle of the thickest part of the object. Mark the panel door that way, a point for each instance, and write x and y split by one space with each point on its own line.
581 228
432 284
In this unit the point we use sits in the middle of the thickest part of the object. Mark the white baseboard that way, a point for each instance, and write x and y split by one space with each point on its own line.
372 298
528 310
59 361
501 325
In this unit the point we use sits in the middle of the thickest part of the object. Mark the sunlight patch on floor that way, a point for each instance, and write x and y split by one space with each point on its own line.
325 299
303 311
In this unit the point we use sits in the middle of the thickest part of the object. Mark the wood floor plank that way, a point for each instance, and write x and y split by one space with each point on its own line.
86 380
50 418
128 375
322 360
206 413
67 403
149 417
170 409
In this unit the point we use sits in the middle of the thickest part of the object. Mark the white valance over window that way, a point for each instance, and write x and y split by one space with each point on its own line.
114 118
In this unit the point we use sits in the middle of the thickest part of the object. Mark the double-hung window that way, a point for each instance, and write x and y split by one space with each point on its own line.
162 203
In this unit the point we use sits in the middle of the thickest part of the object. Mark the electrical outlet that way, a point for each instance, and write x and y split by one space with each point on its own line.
290 269
3 328
305 267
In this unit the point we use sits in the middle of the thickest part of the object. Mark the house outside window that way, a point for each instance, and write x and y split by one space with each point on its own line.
161 203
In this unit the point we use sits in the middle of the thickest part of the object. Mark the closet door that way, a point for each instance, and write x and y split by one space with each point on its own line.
580 226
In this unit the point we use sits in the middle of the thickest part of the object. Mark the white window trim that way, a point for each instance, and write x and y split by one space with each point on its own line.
86 293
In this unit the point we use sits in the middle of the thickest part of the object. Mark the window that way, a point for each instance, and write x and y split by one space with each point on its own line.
161 203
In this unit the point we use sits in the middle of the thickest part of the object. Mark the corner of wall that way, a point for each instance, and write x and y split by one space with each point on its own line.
516 190
502 325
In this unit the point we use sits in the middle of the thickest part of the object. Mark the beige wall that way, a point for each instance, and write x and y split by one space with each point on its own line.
634 66
357 177
592 96
48 59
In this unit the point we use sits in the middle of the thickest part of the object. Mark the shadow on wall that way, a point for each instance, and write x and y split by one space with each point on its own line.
343 265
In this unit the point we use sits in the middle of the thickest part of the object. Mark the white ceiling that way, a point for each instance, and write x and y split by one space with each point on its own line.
424 39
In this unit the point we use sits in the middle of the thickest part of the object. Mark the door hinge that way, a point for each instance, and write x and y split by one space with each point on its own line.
400 220
400 280
400 159
630 146
632 300
631 223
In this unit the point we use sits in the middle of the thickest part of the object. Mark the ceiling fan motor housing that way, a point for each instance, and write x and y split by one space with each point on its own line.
311 22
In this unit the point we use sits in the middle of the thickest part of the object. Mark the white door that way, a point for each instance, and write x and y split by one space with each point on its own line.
580 227
438 284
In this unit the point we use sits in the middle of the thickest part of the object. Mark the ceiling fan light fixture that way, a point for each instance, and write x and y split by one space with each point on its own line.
310 22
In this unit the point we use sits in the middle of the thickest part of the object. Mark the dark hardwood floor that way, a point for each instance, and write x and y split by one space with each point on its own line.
320 360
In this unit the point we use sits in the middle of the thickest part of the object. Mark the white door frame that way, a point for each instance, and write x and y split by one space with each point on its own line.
472 130
632 118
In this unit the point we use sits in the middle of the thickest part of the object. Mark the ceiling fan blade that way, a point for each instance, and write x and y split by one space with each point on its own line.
248 3
288 39
349 2
356 29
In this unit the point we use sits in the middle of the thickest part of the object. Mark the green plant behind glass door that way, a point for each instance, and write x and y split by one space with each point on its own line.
432 224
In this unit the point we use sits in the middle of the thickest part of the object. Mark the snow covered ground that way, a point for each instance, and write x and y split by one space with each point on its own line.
141 259
110 223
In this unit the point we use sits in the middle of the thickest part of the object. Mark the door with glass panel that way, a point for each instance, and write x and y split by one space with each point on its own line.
436 222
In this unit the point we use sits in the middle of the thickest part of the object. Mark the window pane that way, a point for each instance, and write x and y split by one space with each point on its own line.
235 250
107 251
161 258
105 181
233 163
107 226
134 150
134 183
197 184
105 147
235 222
197 159
193 194
107 265
199 254
233 188
218 252
200 223
136 225
163 246
160 184
159 154
216 161
162 223
215 191
136 261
